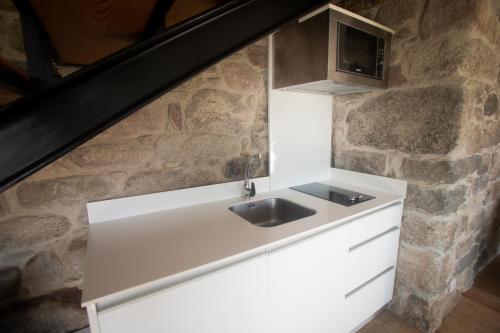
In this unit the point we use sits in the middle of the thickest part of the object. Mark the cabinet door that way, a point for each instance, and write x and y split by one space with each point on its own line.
230 300
306 283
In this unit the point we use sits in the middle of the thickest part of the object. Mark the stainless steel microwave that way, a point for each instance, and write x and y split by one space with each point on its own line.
333 52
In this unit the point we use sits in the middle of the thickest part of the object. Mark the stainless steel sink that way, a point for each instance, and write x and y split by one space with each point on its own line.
271 212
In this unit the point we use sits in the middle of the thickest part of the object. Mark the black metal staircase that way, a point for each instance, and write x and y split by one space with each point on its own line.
37 130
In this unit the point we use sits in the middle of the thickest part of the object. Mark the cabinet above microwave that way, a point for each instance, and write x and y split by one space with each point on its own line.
332 51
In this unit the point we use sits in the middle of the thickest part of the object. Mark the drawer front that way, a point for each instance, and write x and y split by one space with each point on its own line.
369 259
364 302
374 224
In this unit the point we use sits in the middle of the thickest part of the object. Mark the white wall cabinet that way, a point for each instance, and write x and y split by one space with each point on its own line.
332 282
306 284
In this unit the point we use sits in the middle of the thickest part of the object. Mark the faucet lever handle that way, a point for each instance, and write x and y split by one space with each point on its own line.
252 190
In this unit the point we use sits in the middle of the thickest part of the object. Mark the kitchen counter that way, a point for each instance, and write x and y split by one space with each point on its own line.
133 256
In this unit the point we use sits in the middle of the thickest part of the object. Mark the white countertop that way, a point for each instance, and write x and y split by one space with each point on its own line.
136 255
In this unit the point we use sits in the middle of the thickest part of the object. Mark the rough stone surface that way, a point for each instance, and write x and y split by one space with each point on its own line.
417 311
481 260
426 312
420 120
175 119
25 231
466 260
480 183
463 247
462 226
16 259
420 311
259 136
459 14
435 201
65 190
440 57
372 163
10 282
395 12
235 168
491 105
169 179
56 312
8 5
425 271
11 38
421 231
110 155
150 120
257 54
4 208
216 111
43 273
17 43
432 172
240 76
477 221
465 280
204 148
74 259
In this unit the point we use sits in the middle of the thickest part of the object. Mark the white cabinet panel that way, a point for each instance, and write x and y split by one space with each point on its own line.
370 259
306 283
300 133
374 224
367 300
230 300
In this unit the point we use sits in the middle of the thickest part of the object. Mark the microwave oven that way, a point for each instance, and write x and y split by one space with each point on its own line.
333 51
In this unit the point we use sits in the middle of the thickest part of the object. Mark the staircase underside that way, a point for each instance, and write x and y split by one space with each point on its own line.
37 130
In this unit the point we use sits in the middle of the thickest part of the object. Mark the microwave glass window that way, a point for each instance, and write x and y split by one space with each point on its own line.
357 51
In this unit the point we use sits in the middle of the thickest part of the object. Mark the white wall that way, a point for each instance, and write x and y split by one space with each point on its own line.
300 134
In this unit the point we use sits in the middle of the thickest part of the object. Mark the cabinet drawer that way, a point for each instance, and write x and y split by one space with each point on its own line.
368 299
369 259
374 224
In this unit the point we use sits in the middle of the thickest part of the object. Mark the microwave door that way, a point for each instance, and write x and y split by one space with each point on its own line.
357 51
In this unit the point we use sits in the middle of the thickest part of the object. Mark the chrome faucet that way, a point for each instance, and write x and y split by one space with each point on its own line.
249 187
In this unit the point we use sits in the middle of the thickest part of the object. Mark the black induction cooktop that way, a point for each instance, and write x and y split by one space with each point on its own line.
332 193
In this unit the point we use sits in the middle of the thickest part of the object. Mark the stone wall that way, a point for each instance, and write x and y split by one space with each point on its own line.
198 134
438 126
11 35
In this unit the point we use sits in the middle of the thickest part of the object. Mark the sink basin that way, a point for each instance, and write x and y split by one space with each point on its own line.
271 212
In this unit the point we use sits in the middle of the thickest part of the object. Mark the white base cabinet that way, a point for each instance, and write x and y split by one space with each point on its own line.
329 283
230 300
306 284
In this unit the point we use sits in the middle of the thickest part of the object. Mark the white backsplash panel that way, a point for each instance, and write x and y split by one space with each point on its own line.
300 132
